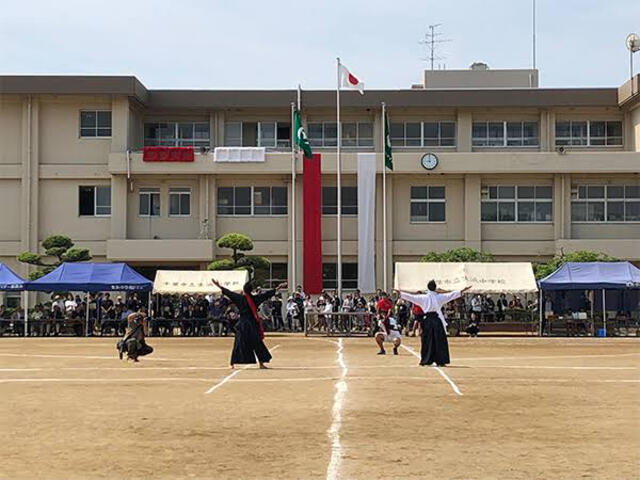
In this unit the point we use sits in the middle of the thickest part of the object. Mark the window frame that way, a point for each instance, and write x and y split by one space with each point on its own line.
505 135
176 191
323 143
516 200
252 205
422 135
149 192
177 140
334 280
428 201
342 214
588 138
95 201
605 200
97 127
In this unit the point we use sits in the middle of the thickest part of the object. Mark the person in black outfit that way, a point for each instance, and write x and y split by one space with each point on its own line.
249 335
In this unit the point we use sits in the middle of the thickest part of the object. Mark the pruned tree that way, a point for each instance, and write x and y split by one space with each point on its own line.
238 244
462 254
59 247
541 270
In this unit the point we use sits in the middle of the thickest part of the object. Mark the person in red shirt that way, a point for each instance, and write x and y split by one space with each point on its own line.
417 313
388 327
384 305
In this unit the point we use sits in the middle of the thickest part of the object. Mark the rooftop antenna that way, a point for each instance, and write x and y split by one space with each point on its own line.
431 41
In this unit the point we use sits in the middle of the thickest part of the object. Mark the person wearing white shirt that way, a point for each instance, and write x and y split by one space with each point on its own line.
435 347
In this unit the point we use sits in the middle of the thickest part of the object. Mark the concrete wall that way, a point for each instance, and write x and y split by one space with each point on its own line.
11 112
10 212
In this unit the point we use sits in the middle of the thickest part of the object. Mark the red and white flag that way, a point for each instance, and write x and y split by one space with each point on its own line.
349 80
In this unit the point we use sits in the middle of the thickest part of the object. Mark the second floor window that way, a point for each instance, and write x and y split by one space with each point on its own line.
505 134
419 134
517 204
179 202
354 134
605 203
349 201
589 133
95 123
257 134
149 202
177 134
94 201
258 201
427 204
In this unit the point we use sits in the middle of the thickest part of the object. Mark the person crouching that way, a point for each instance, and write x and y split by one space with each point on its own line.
133 343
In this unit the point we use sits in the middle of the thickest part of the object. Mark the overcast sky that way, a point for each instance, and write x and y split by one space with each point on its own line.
278 44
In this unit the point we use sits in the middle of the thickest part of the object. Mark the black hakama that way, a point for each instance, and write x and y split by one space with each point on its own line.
435 347
247 344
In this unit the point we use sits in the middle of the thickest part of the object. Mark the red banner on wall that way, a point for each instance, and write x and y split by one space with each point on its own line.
168 154
312 224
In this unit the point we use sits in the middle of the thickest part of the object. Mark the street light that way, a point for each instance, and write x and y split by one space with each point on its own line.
633 45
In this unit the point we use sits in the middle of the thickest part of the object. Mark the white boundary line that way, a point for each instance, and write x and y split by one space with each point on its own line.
104 380
336 413
231 375
454 387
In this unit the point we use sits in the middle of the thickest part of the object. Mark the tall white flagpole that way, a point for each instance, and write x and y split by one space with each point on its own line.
339 181
384 196
293 197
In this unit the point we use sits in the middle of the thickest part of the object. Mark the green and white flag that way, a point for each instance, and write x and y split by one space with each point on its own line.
300 136
388 157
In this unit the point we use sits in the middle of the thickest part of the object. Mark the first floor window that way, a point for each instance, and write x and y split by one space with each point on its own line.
349 201
94 201
605 203
427 204
589 133
275 274
259 201
522 203
149 202
95 123
179 202
349 276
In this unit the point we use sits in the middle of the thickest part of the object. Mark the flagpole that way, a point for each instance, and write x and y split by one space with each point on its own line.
339 180
293 198
384 197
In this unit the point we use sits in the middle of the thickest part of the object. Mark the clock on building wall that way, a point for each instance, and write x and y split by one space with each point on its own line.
429 161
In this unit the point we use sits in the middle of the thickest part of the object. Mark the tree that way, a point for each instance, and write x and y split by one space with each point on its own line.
59 247
462 254
541 270
239 243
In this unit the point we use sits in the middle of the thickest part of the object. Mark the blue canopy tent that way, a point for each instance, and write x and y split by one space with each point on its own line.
9 280
91 277
591 276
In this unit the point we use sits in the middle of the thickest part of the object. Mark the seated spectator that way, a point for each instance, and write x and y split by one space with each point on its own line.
473 328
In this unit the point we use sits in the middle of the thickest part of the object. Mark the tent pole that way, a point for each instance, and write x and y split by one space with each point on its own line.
540 305
593 320
25 307
87 316
604 312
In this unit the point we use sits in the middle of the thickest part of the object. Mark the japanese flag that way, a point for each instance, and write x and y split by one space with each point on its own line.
349 80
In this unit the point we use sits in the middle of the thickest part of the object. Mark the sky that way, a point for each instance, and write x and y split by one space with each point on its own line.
278 44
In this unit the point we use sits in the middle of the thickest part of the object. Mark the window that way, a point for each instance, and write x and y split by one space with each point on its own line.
427 134
258 201
149 202
354 134
610 203
504 134
94 201
174 134
589 133
179 202
349 200
427 204
517 204
95 123
257 134
349 276
274 274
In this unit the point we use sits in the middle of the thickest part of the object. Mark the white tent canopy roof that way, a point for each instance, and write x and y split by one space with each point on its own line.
498 277
198 281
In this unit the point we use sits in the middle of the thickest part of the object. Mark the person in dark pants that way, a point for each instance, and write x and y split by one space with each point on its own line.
248 342
435 347
133 343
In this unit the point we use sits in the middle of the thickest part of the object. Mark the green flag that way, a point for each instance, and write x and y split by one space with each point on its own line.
299 134
388 157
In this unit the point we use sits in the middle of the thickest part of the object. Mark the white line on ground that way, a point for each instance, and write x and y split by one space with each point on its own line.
231 375
552 367
438 369
104 380
547 356
334 431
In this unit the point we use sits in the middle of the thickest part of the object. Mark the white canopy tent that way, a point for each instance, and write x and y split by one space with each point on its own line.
495 277
193 282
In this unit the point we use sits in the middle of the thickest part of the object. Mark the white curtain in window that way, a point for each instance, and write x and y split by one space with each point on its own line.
366 222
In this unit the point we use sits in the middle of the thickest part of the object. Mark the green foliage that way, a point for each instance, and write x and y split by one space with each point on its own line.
58 246
463 254
239 243
541 270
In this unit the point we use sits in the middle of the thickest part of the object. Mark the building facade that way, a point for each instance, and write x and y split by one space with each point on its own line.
523 172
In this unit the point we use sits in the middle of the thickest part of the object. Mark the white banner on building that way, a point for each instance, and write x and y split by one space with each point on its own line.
366 222
239 154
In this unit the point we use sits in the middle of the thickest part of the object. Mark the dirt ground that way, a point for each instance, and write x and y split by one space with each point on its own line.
528 408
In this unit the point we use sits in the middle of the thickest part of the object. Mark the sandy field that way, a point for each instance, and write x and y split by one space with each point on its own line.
507 408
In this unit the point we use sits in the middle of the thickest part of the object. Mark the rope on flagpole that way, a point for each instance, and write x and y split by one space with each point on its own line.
384 196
